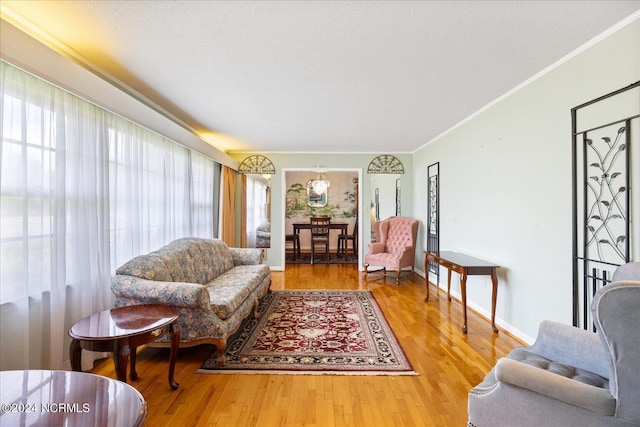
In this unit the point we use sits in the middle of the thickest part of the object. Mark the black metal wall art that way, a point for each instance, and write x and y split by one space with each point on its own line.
433 216
257 164
602 192
385 163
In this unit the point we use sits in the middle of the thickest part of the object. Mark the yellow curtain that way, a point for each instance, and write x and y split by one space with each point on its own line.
228 234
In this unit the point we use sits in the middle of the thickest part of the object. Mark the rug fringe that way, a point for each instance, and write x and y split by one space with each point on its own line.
345 373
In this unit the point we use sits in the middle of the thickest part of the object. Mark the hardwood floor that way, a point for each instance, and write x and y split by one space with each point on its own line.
449 363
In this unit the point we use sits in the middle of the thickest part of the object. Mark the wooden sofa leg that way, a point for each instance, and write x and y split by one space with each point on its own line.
221 346
255 309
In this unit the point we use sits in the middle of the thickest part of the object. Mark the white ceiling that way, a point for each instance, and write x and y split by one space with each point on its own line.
323 76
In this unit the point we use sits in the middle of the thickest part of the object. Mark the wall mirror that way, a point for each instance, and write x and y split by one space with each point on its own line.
258 210
317 190
386 191
385 196
256 187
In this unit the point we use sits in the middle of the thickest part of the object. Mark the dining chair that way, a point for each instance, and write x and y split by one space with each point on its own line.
320 235
295 239
343 239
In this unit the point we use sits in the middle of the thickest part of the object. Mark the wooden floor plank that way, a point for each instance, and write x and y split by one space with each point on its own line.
448 362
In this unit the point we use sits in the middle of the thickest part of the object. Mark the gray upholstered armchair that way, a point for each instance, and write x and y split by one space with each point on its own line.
569 376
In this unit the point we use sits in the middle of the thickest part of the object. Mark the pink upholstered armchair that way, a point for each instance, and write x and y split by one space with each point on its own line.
395 247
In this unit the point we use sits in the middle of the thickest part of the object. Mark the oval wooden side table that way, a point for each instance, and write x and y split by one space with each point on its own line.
121 331
65 398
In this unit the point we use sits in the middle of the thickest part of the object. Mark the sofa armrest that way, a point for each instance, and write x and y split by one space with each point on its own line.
246 256
177 294
572 346
556 386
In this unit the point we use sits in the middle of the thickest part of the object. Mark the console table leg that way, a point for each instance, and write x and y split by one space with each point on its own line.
449 284
494 297
426 277
174 333
463 291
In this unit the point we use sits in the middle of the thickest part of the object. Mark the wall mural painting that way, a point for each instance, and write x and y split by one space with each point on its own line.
341 197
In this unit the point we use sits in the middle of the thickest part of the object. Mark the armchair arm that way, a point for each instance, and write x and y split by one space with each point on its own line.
177 294
572 346
556 386
376 247
246 256
405 255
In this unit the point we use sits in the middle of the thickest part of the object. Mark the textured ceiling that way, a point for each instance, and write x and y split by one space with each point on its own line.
327 76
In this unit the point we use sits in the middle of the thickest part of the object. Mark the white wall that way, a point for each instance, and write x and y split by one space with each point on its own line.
506 185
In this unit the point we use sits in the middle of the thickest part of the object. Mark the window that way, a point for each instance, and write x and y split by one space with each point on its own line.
157 190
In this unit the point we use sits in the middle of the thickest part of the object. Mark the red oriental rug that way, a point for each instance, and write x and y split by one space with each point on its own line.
315 332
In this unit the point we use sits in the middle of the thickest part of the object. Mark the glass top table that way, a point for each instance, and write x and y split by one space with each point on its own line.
68 398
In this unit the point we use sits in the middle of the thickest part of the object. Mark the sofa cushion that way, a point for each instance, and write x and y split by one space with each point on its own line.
190 259
229 290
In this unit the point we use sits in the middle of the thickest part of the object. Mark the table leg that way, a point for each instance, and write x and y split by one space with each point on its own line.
449 284
494 297
296 240
174 333
426 277
121 359
463 290
133 375
75 354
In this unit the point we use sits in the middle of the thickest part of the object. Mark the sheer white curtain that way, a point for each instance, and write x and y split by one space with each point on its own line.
82 191
202 196
54 216
159 191
149 195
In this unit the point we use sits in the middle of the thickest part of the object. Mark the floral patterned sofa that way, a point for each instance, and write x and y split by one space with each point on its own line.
213 286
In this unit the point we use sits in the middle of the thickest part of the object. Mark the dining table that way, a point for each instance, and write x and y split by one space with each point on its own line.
341 226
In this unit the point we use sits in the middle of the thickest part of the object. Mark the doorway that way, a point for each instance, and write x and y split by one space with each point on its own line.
342 203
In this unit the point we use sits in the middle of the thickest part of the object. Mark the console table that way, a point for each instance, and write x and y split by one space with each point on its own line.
465 266
66 398
122 330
